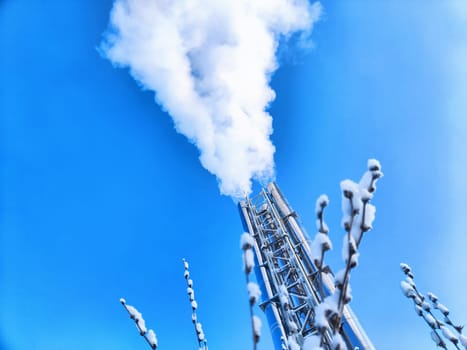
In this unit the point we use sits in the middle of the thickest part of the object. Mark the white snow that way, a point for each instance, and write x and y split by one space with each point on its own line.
337 342
253 292
246 241
463 340
332 301
323 241
348 294
444 310
405 267
448 334
152 339
263 207
199 331
293 327
349 187
321 226
256 326
410 281
365 181
430 320
407 289
350 247
321 320
324 228
292 344
320 244
418 310
436 338
426 306
370 211
350 192
356 230
312 343
374 165
365 195
346 207
357 202
339 277
377 175
321 203
346 219
191 293
134 314
141 325
432 297
249 260
283 295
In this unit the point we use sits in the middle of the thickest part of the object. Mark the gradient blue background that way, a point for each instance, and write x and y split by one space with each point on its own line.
101 199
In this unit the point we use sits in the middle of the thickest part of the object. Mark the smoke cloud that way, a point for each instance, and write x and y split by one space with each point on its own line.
209 63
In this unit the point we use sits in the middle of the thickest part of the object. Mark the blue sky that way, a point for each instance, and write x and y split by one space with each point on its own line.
101 198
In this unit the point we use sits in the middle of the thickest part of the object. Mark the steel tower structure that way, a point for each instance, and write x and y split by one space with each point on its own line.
285 269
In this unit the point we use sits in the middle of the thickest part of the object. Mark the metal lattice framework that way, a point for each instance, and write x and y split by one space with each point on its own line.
290 282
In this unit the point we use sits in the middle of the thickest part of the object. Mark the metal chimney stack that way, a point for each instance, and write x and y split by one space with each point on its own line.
283 260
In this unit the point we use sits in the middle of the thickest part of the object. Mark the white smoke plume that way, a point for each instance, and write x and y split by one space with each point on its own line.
209 63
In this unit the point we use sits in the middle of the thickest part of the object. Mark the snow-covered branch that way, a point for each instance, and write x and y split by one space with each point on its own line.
246 244
358 216
321 244
427 312
136 316
202 341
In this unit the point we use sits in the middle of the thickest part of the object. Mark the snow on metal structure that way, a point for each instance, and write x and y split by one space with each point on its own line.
288 278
